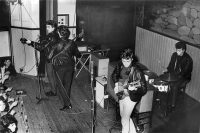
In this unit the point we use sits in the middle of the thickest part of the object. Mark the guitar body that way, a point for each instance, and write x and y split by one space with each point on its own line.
120 90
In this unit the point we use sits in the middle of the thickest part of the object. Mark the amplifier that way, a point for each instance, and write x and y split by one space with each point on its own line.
100 64
101 94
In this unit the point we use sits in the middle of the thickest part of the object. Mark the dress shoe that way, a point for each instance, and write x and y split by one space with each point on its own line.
66 107
50 93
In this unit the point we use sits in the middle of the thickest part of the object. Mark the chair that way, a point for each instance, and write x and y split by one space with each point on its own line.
142 113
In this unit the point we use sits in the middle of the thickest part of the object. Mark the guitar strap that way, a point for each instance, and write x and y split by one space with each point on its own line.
64 49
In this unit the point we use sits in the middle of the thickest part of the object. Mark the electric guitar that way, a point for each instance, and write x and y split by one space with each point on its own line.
120 89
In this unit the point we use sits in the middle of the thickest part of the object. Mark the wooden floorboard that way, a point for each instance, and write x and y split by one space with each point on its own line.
46 117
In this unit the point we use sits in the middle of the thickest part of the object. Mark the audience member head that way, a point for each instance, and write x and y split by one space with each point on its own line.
7 62
63 31
127 57
9 122
51 26
4 107
3 92
180 48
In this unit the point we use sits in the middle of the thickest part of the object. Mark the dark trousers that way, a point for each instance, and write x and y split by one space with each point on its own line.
51 76
64 80
175 88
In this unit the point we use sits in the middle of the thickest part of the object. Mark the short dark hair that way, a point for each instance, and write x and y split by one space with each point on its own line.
180 45
52 23
64 31
127 54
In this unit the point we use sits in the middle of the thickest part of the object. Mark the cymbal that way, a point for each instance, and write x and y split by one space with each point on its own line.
169 77
151 75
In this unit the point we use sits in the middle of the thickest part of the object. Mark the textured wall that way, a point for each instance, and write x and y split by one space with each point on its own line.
154 51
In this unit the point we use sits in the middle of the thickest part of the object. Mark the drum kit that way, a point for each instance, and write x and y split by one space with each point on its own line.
161 82
168 77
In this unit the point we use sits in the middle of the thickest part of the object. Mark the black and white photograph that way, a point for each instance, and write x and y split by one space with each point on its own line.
99 66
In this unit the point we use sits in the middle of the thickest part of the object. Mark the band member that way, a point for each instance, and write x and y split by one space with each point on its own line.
63 61
46 46
181 64
130 86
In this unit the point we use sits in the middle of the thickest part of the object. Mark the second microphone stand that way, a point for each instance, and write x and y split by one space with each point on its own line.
93 104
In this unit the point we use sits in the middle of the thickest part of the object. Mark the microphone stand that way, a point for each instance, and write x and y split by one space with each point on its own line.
93 104
39 78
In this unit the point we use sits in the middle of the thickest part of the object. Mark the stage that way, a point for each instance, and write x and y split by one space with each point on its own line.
47 118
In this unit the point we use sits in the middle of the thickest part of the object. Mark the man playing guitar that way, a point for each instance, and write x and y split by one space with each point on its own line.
130 86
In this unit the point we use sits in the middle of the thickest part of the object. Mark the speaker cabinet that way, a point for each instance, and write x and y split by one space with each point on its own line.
100 65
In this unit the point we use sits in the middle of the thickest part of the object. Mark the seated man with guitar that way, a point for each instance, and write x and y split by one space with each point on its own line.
130 86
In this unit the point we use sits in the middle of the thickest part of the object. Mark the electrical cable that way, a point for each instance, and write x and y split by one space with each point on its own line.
29 69
74 20
22 32
30 16
21 17
13 9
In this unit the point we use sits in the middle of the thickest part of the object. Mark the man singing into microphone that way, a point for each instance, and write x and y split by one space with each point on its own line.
181 65
46 45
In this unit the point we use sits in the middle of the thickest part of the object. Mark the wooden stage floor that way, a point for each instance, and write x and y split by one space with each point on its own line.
46 117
